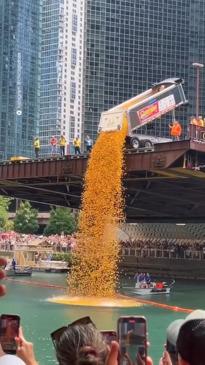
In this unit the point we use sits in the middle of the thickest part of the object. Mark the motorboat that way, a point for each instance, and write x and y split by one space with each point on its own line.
18 271
154 287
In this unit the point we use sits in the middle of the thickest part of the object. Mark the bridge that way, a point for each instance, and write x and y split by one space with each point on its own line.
165 183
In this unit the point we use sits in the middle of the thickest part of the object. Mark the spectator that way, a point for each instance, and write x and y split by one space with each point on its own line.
185 338
25 350
77 144
37 146
6 359
88 143
191 340
62 143
171 348
53 143
80 343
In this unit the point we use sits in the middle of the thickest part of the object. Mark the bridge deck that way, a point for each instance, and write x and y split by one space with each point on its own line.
158 187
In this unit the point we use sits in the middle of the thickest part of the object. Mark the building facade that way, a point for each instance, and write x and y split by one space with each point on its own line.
61 71
19 75
130 44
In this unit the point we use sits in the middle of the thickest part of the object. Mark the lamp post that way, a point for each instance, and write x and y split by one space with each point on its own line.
198 66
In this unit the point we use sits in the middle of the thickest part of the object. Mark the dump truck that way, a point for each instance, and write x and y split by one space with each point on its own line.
161 98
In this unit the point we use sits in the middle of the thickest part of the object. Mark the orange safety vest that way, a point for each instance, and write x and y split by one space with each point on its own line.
197 122
176 130
200 122
194 121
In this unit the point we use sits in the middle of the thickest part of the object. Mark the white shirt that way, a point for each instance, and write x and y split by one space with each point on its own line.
11 360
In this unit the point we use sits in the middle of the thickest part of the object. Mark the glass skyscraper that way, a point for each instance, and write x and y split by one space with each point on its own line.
19 75
130 44
51 71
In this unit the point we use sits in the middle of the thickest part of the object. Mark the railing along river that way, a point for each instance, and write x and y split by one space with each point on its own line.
164 254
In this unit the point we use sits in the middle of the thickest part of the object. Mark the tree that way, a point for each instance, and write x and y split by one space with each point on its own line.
26 220
61 221
4 206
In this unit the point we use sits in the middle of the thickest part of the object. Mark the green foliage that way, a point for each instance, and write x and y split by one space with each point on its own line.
62 256
61 221
4 206
9 225
26 220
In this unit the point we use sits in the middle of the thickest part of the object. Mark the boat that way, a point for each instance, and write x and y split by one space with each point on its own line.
18 271
22 269
154 287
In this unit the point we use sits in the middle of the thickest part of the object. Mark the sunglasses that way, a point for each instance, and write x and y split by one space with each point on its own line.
56 335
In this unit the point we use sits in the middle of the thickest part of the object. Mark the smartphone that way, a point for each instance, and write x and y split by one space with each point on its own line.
9 329
109 336
132 337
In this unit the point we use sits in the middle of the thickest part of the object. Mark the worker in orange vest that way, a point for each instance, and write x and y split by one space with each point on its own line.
194 121
200 121
175 130
197 123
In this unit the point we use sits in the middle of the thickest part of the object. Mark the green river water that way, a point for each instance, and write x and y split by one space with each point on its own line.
39 317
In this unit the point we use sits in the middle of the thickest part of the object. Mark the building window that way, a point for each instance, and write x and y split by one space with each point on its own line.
73 56
74 23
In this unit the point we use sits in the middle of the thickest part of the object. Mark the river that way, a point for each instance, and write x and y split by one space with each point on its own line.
27 297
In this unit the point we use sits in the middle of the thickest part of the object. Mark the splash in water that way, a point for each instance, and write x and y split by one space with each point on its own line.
94 272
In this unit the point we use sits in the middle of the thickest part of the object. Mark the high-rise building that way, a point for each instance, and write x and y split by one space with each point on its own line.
19 75
61 70
97 53
130 44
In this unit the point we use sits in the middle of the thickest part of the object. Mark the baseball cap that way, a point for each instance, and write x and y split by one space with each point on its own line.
174 328
191 338
11 360
172 334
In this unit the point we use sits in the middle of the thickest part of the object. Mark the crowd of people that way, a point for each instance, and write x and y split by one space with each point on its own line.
58 243
60 145
181 248
81 343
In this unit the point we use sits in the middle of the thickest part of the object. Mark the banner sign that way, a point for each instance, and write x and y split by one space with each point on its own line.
156 109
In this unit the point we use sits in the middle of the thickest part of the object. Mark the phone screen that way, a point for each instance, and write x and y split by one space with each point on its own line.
109 336
132 335
9 329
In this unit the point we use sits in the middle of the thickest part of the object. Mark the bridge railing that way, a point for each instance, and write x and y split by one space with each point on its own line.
196 132
163 254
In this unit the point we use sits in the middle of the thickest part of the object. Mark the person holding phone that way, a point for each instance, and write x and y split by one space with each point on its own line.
25 350
24 353
132 336
113 356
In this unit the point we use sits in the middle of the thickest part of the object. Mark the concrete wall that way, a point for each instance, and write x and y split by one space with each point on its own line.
173 268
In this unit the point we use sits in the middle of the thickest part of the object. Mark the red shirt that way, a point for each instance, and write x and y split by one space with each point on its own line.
53 141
